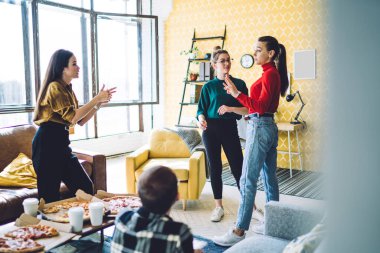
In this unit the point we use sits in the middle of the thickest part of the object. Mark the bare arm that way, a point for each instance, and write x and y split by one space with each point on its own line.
81 112
238 110
89 115
85 112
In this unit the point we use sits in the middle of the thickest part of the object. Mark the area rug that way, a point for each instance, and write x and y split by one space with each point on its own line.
306 184
211 247
90 244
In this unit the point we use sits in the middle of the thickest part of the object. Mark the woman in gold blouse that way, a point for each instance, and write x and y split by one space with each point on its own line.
56 110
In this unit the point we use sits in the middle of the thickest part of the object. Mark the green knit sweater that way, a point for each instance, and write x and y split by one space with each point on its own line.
213 96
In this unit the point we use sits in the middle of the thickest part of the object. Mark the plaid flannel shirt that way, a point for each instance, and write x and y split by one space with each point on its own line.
145 232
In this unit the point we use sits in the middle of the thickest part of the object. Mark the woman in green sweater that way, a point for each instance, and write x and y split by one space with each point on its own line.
217 114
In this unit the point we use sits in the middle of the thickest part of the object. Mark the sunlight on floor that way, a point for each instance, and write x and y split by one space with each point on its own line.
198 212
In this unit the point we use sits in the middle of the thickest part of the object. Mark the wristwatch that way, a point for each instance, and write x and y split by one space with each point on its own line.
96 107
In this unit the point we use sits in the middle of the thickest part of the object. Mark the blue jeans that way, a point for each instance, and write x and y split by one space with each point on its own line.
260 153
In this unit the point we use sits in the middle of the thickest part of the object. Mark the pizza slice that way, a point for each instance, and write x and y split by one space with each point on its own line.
33 232
63 217
70 204
59 212
52 209
19 245
117 203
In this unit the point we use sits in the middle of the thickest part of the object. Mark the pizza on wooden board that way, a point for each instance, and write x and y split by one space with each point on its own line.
65 205
59 212
63 217
116 203
33 232
19 245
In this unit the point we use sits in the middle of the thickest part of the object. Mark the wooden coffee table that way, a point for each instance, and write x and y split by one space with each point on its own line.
88 229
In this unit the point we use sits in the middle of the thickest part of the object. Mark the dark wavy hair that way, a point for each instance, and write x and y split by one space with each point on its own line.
158 189
279 58
58 61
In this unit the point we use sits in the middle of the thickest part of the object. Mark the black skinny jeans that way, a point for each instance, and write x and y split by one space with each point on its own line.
222 132
54 162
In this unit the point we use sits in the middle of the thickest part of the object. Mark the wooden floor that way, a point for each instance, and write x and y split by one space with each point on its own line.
197 214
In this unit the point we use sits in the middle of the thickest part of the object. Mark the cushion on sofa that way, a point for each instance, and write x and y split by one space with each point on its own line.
299 219
180 166
15 140
307 243
165 143
259 244
19 173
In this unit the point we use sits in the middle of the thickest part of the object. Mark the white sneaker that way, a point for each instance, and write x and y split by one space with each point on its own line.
258 215
217 214
228 239
259 228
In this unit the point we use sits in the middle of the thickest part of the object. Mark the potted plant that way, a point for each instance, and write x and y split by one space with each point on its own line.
192 53
193 76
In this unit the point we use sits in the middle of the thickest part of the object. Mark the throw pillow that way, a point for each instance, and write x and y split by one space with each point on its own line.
306 243
19 173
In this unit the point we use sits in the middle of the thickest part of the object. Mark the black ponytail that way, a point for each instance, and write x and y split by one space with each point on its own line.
279 58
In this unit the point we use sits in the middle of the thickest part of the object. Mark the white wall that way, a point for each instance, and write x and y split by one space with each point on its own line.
162 9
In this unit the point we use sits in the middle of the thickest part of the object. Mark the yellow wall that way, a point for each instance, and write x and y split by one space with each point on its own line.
298 24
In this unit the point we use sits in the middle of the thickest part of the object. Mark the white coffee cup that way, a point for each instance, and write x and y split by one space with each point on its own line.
30 206
76 218
96 213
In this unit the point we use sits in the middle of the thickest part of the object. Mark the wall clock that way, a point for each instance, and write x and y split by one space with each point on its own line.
247 61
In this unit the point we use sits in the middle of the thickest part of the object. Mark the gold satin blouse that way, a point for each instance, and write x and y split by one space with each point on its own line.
58 104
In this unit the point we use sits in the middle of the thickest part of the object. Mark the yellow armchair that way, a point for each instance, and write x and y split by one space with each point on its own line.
168 149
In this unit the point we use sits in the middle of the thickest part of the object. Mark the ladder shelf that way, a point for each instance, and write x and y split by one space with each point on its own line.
199 82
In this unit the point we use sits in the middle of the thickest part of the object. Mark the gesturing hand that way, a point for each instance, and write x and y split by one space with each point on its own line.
230 87
105 95
223 109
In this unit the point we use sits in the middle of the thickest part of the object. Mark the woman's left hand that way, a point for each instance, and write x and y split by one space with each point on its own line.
230 87
223 109
109 91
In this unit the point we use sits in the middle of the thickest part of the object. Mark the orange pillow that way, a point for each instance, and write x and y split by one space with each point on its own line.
19 173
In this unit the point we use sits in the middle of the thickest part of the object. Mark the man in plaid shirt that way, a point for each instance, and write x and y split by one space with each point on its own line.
150 229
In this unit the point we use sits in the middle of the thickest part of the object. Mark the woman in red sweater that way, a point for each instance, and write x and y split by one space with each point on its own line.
262 132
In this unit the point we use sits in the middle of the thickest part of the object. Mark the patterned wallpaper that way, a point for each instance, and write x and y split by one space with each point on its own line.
298 24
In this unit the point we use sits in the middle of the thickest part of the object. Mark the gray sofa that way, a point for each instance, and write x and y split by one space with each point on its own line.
283 223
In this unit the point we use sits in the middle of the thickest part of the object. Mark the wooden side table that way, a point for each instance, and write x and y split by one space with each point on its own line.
288 127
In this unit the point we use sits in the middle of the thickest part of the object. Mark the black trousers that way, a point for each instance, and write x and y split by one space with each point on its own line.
222 133
54 163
